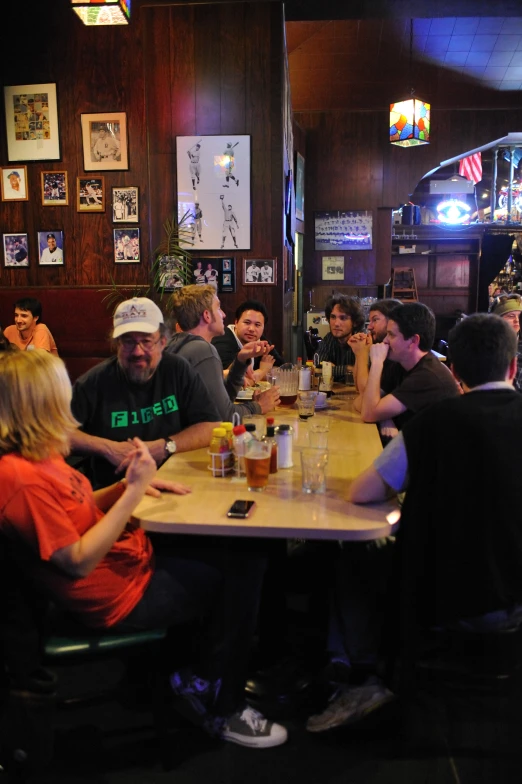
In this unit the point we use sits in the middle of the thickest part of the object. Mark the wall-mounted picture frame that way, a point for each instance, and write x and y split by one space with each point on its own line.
333 267
220 273
169 273
55 189
259 272
213 175
125 204
343 230
16 250
104 138
299 186
50 248
31 118
127 245
14 183
90 194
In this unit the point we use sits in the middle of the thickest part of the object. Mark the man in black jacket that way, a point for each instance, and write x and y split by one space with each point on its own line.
249 325
459 546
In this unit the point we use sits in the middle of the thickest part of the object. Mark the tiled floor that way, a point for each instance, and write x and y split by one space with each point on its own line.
109 744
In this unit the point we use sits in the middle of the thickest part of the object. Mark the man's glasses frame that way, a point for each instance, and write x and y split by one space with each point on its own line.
146 344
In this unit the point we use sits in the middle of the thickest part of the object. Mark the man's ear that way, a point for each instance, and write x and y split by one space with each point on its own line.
513 365
415 340
207 316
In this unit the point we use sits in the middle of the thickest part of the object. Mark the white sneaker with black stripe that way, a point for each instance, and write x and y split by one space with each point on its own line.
249 728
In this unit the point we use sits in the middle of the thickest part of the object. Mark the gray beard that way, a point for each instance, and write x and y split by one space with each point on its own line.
138 375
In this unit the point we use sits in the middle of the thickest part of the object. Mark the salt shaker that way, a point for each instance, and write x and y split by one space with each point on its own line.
284 438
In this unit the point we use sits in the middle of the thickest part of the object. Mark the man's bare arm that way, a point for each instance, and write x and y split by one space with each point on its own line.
193 437
113 451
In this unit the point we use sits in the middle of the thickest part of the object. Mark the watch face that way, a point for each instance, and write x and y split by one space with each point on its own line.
170 447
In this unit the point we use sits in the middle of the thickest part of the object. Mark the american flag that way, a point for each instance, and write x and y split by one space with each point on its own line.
471 167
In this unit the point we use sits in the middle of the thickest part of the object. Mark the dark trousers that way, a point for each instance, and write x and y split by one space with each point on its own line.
218 582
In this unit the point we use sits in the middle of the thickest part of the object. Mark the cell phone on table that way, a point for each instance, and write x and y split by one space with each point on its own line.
241 509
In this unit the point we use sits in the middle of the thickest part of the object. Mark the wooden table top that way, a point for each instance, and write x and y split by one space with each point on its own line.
283 509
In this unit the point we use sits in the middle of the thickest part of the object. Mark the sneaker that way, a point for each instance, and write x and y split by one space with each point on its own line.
198 692
248 727
237 183
350 704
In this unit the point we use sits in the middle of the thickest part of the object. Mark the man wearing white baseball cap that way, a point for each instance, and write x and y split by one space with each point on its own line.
139 392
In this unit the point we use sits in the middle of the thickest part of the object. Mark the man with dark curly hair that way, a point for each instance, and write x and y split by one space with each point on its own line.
346 317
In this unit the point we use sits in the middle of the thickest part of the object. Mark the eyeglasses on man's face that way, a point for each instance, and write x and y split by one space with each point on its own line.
146 344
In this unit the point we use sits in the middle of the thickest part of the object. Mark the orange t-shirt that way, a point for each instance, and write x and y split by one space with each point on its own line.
40 337
49 505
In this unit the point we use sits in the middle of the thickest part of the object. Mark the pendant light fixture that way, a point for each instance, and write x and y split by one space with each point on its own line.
410 118
102 12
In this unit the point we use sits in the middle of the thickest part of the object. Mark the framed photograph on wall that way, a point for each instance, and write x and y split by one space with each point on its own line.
16 253
220 273
213 175
31 118
55 191
127 246
343 230
14 183
333 267
299 186
125 204
50 248
169 273
259 272
90 194
104 138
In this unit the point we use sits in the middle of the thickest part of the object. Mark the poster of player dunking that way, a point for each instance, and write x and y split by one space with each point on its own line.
213 174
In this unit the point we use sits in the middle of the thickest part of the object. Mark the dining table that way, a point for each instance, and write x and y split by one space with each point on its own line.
282 509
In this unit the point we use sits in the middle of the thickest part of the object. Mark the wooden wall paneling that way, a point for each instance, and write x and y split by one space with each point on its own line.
207 69
382 244
233 73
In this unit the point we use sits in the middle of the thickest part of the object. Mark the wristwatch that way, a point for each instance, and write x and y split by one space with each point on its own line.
170 446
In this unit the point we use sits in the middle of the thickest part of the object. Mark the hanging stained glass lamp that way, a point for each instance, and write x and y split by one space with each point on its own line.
103 12
410 122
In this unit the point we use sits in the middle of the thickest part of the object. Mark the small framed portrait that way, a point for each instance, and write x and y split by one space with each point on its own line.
104 138
227 265
127 246
55 191
16 253
90 194
259 272
50 248
333 267
169 277
14 183
31 117
125 204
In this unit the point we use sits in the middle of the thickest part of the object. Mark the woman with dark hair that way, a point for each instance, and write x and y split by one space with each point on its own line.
345 317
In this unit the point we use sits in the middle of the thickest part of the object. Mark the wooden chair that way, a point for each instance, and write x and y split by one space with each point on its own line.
403 285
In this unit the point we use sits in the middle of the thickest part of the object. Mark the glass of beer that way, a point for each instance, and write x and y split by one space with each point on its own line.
257 465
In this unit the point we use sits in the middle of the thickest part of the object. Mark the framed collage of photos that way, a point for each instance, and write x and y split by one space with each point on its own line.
31 118
220 273
213 175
